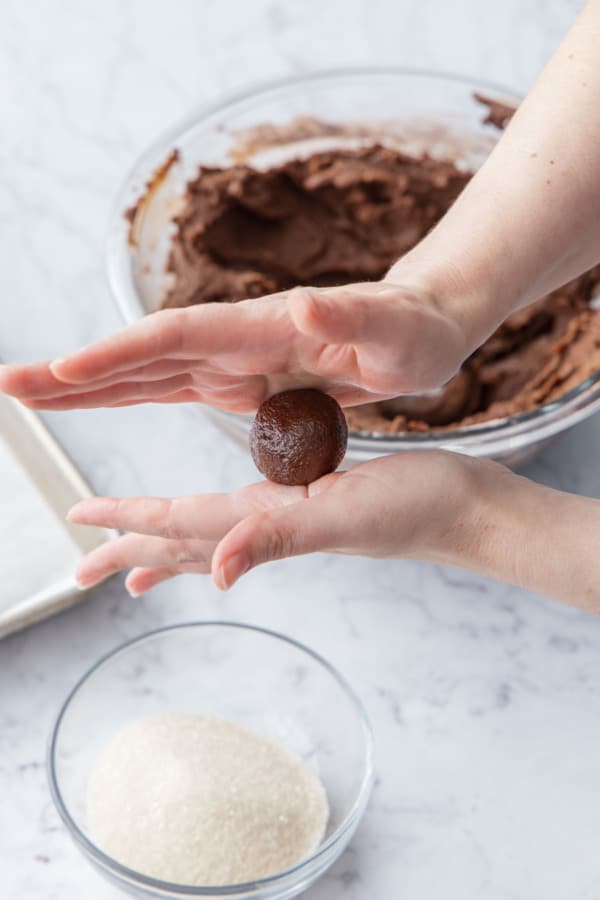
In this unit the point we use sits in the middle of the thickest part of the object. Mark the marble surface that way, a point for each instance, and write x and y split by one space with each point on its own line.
485 700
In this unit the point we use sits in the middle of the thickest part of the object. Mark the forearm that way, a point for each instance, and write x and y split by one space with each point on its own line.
529 220
528 535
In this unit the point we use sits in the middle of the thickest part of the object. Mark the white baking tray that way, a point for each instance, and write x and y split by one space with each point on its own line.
59 485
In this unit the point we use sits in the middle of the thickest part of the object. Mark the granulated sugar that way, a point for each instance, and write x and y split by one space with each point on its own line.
202 801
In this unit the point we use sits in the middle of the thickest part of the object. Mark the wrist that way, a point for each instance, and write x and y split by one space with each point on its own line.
461 292
455 507
478 511
507 527
526 534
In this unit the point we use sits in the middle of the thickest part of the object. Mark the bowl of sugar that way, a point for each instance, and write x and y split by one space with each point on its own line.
211 759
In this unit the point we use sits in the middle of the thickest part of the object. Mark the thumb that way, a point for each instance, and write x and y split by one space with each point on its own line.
351 314
304 527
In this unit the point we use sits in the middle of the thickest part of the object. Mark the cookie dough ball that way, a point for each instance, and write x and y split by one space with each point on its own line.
298 436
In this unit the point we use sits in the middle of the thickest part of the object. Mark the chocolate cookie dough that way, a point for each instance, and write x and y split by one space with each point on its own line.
498 114
346 215
536 356
298 436
330 219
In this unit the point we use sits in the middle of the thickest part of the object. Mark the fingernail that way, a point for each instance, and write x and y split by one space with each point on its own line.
86 512
72 514
87 580
304 296
232 569
56 363
386 289
133 593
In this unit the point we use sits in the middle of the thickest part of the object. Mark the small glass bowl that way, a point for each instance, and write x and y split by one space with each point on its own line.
249 675
413 110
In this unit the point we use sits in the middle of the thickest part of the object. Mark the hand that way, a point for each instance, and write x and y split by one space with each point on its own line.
359 342
411 505
433 506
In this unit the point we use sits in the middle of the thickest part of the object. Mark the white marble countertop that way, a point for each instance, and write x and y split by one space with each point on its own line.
485 700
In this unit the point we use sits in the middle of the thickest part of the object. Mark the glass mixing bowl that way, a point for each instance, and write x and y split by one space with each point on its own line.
412 110
251 676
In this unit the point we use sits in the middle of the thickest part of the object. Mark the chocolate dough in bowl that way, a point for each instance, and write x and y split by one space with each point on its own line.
328 180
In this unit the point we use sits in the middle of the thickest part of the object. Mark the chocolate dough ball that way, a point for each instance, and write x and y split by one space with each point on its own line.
298 436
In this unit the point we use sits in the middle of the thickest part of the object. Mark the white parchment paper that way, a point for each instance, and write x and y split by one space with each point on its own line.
36 550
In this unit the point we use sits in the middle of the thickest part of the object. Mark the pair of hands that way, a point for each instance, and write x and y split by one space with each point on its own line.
359 343
522 227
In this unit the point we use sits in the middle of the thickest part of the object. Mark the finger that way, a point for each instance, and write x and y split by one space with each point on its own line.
37 381
237 402
188 395
155 337
143 579
207 516
307 526
201 331
28 381
353 314
124 393
139 550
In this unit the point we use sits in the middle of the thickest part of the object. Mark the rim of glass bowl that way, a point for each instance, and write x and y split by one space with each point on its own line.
489 437
107 862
